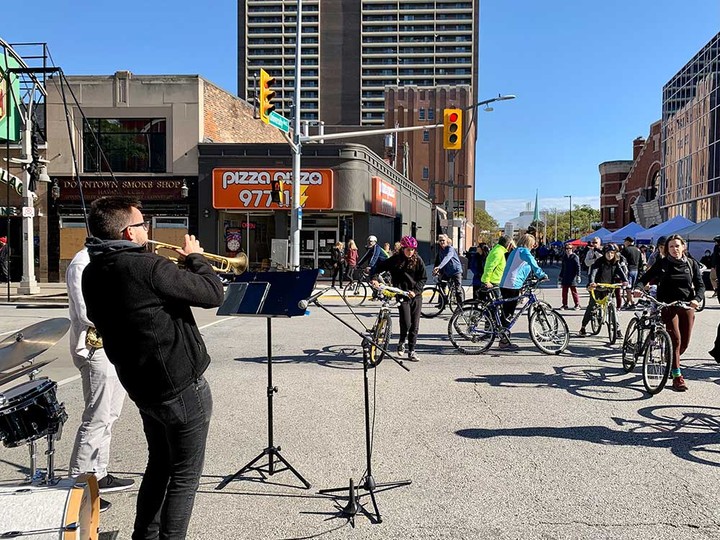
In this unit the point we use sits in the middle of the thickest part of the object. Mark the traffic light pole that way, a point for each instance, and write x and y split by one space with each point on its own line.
296 216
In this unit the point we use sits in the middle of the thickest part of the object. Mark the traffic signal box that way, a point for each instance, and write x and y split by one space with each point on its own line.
267 94
277 191
452 129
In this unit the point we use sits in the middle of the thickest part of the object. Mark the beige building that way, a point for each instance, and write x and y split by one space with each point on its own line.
137 136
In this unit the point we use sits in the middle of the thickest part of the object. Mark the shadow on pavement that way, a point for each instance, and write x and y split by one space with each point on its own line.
689 432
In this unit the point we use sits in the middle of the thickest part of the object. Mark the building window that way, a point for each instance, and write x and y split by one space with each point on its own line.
426 135
611 214
431 114
422 113
130 145
426 173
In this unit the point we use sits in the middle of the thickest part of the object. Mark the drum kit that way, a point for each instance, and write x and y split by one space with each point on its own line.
47 507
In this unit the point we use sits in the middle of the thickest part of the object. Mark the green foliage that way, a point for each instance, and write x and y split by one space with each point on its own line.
485 226
583 216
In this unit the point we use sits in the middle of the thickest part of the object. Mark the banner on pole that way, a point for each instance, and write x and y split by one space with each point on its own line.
10 119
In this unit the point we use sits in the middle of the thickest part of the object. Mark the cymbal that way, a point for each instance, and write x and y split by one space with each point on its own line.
29 342
12 375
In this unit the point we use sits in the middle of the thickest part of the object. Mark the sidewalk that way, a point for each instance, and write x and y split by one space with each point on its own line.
54 294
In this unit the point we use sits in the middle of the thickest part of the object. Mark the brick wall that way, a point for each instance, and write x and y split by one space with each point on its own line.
642 180
227 118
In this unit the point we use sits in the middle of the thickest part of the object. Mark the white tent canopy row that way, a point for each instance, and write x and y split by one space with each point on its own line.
704 231
670 226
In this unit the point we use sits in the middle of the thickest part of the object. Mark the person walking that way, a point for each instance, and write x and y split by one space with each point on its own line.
4 256
633 258
102 392
520 265
570 276
594 252
495 264
407 272
351 259
678 279
607 269
337 258
140 304
449 266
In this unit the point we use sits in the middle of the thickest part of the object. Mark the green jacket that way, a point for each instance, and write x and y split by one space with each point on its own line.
494 265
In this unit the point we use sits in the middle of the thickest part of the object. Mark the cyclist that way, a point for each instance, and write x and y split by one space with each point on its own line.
678 279
373 255
519 265
407 272
607 269
449 265
495 263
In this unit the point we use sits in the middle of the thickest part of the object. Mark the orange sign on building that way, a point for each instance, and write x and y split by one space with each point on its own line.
384 201
249 189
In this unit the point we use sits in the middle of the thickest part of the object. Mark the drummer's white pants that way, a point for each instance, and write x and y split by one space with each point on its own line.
104 397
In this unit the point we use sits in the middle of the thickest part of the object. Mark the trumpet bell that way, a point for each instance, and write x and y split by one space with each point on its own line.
222 265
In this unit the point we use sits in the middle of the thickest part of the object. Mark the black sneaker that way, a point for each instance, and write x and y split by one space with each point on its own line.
104 505
113 483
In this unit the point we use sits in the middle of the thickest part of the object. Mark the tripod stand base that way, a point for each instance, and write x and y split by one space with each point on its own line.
369 485
274 457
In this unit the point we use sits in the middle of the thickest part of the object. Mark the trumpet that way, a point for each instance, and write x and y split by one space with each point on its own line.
223 265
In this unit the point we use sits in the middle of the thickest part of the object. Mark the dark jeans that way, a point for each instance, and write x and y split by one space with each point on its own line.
508 308
176 433
457 280
338 272
410 320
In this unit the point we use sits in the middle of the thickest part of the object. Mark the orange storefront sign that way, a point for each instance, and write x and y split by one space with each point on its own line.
249 189
384 201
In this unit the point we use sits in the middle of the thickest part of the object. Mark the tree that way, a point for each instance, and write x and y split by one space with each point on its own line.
485 226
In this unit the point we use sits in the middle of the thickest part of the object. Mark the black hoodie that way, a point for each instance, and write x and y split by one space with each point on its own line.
140 303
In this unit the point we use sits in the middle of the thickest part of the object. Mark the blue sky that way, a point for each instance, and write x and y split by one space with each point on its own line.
588 74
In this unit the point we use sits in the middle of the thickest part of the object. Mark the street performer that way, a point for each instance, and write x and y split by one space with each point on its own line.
140 304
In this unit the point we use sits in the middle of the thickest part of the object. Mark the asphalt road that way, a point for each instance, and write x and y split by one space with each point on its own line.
518 445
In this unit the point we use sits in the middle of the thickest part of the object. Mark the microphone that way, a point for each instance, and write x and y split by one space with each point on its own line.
303 304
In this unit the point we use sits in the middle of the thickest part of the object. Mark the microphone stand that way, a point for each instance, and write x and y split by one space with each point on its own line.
367 483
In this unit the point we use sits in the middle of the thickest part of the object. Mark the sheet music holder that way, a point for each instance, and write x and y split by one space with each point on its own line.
268 294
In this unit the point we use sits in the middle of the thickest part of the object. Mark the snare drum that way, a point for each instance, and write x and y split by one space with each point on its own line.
30 411
68 510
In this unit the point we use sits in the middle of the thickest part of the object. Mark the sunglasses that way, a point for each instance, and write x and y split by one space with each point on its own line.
145 225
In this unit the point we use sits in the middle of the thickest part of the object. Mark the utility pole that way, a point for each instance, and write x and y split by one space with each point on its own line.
570 236
296 216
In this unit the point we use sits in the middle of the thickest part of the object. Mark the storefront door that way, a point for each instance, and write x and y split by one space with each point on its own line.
315 247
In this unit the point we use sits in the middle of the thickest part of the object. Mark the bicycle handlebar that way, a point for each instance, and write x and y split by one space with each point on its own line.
676 303
387 290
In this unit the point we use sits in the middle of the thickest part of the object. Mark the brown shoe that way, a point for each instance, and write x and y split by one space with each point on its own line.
679 384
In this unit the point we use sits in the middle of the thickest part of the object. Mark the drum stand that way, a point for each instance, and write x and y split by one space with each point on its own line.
367 483
272 451
42 476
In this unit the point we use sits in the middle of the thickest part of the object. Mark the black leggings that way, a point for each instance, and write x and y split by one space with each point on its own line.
508 308
409 310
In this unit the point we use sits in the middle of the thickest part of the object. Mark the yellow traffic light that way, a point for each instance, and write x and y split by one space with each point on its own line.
452 129
266 95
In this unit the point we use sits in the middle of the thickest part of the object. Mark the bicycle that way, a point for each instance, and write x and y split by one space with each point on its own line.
438 296
605 312
381 331
476 325
356 291
648 330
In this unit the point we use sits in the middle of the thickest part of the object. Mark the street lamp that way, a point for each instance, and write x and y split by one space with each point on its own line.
571 223
499 97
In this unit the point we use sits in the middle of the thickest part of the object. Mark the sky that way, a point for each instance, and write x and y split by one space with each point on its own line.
588 74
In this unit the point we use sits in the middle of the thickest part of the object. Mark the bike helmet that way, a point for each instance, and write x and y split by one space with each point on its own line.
717 238
372 239
408 242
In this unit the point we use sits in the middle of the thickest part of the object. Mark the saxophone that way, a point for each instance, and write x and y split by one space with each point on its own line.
93 340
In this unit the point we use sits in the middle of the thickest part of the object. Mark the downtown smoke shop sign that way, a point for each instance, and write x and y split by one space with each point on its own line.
10 119
250 189
143 189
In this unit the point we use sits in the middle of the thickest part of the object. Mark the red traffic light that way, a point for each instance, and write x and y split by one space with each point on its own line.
453 117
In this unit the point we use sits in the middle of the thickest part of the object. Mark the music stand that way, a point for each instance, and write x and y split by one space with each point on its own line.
269 295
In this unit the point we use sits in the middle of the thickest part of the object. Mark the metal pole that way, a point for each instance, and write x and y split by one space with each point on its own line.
451 194
555 236
571 223
28 284
296 217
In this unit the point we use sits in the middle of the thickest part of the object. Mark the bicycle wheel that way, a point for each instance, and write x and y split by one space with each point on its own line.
471 330
452 300
631 345
596 320
381 334
549 331
612 323
656 363
433 301
355 293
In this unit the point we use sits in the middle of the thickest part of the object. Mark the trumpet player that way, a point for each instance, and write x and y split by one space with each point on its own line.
140 303
102 392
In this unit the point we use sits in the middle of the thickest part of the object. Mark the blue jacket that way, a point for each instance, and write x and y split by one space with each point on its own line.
519 265
375 254
449 262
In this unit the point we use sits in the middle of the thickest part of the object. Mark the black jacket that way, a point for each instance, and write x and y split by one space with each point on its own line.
407 279
140 303
604 271
677 279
